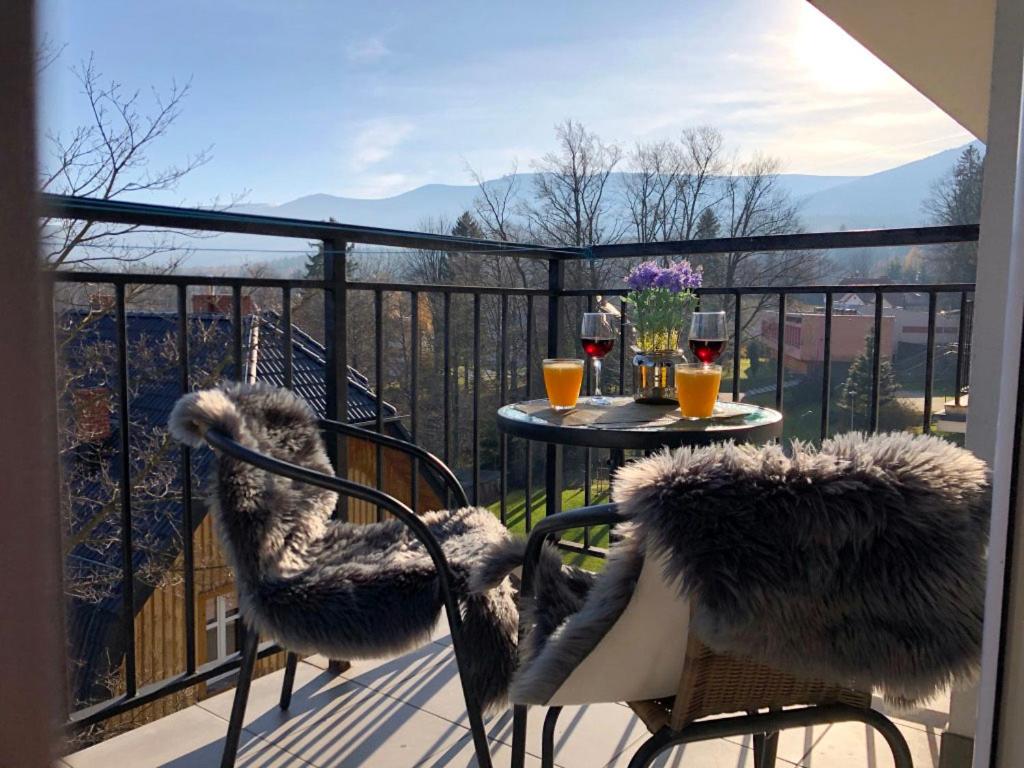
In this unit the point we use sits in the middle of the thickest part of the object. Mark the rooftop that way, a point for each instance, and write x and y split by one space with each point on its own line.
94 619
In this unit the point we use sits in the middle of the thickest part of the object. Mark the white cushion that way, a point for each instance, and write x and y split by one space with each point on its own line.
641 656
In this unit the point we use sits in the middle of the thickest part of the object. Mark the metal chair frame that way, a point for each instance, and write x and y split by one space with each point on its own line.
763 726
250 644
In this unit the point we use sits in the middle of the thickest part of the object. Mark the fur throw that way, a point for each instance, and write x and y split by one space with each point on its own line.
570 611
862 563
320 585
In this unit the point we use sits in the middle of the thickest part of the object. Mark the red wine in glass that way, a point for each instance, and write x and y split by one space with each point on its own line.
597 335
707 336
707 350
597 347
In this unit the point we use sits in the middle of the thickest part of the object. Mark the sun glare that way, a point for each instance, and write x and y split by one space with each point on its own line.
834 59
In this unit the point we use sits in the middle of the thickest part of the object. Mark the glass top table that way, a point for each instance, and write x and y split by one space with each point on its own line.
627 425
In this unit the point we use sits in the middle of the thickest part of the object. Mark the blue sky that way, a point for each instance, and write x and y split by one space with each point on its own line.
369 99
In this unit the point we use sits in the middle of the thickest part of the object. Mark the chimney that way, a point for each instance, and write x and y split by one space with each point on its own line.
92 414
219 304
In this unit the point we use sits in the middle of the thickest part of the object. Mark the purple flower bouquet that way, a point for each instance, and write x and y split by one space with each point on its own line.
660 297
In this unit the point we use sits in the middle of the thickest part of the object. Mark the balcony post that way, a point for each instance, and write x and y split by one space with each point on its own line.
995 414
553 460
336 346
30 590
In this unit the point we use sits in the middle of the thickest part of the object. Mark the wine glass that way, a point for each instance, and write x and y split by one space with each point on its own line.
708 336
597 335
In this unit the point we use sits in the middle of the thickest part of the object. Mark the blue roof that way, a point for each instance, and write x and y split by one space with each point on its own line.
94 627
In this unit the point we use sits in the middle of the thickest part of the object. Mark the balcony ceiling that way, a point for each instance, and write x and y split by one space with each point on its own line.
941 47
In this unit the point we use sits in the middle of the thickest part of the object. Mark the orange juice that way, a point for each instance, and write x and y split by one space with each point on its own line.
562 379
697 389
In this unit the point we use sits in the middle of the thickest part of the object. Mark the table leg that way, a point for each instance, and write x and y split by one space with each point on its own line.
553 480
617 459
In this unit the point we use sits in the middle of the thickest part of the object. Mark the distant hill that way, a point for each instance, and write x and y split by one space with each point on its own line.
409 209
890 198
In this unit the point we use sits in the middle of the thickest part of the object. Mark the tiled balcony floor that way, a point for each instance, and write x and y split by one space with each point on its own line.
408 712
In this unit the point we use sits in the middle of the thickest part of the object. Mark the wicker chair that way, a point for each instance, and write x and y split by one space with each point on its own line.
710 684
715 684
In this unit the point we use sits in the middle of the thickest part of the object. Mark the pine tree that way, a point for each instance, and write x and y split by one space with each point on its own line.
956 199
313 269
757 352
466 226
855 395
894 270
708 226
963 204
467 266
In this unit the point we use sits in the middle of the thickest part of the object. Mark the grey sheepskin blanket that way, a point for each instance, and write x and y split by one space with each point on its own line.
861 563
320 585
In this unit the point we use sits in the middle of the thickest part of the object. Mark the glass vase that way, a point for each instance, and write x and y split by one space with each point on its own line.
654 375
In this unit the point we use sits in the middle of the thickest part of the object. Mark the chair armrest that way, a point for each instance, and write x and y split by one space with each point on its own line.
224 443
411 449
597 514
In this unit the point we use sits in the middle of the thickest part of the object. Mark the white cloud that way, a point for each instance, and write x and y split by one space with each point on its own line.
367 50
376 141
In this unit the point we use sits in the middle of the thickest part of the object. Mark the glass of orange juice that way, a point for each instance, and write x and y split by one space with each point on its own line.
697 389
562 379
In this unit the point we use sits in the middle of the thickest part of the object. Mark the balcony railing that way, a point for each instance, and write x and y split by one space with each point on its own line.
396 308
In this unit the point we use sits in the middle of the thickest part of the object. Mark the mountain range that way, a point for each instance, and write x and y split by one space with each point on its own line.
890 198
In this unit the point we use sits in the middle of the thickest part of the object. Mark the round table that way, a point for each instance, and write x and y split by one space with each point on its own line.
626 425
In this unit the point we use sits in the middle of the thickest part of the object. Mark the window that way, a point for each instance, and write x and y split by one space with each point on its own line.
221 627
222 633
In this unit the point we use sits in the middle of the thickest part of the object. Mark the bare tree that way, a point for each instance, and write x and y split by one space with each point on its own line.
753 204
495 205
689 189
705 165
650 190
569 205
499 215
91 489
498 209
109 158
436 267
669 185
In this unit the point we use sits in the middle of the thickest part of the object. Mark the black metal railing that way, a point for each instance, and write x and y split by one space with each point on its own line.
339 293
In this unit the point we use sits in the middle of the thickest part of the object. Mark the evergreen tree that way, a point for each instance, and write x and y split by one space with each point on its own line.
757 352
708 226
855 394
467 266
956 199
313 269
894 270
467 226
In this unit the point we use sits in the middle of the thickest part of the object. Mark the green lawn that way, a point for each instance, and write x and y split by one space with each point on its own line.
572 498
